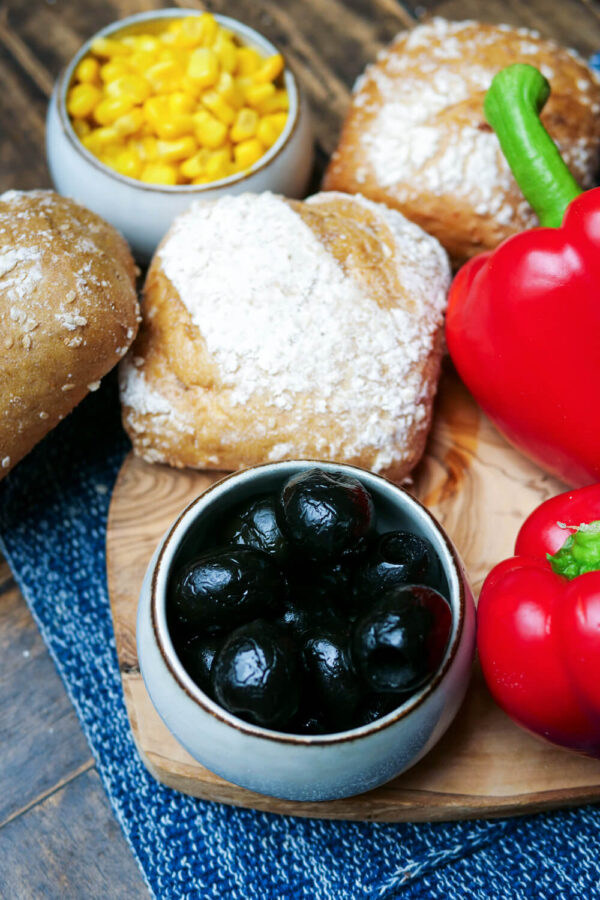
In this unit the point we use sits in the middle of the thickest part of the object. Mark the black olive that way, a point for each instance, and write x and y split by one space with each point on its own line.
225 587
396 558
331 678
376 706
325 515
400 643
255 525
297 618
255 675
197 657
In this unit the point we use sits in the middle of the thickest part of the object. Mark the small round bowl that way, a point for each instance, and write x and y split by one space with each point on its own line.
294 767
143 212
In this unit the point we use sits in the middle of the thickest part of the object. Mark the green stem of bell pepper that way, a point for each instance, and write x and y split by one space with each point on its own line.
579 554
512 107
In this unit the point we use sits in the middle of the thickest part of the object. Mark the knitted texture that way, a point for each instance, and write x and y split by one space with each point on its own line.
53 511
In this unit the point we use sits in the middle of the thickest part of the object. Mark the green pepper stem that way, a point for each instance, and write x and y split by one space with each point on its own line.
512 107
579 554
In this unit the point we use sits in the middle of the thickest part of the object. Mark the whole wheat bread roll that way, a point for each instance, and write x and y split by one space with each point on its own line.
68 312
276 329
416 137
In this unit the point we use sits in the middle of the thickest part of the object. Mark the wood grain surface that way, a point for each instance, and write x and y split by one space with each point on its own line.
42 749
480 489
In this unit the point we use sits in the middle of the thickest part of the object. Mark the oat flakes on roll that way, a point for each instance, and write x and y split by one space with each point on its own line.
68 312
275 329
416 138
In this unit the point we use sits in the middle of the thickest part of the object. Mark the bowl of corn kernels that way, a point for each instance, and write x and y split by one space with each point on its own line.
171 106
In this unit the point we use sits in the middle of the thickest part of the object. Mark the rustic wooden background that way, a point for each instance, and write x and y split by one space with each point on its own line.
58 837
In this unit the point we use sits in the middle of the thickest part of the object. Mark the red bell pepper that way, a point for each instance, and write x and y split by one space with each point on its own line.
523 323
538 623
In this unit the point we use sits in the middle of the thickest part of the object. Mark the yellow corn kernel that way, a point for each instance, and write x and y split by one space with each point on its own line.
246 153
81 127
259 94
230 91
195 165
248 61
202 179
197 30
203 67
175 151
88 70
218 106
279 102
209 29
164 76
155 109
209 130
129 163
147 43
106 47
173 126
181 102
99 139
146 149
112 108
140 61
245 125
175 26
110 152
226 52
133 86
270 127
270 69
159 173
218 165
116 68
164 123
130 123
82 99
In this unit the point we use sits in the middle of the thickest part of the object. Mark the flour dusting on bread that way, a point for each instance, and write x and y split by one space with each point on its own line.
299 356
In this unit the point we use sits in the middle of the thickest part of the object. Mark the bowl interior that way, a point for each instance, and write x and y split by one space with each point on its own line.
155 22
395 509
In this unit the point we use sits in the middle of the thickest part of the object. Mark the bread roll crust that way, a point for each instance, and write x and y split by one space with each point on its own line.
416 137
68 312
277 329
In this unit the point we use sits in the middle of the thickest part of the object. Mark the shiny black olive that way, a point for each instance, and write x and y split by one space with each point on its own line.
197 657
396 558
331 678
375 706
325 515
225 587
400 643
297 618
255 525
255 675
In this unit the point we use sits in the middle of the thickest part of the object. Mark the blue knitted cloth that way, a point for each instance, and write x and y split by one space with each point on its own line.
53 511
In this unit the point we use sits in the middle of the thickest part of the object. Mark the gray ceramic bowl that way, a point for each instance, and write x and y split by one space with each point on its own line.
143 212
319 767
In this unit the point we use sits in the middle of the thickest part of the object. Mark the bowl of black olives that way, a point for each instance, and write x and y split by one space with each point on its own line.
306 630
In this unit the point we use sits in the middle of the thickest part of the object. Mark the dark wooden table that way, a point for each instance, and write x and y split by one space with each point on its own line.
58 836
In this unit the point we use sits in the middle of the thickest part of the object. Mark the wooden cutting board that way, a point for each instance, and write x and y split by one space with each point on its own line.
481 490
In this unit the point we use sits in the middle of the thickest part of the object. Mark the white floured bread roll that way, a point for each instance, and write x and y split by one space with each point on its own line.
416 137
275 329
68 312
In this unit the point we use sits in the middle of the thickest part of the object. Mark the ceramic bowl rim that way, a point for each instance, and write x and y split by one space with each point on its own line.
172 540
245 32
